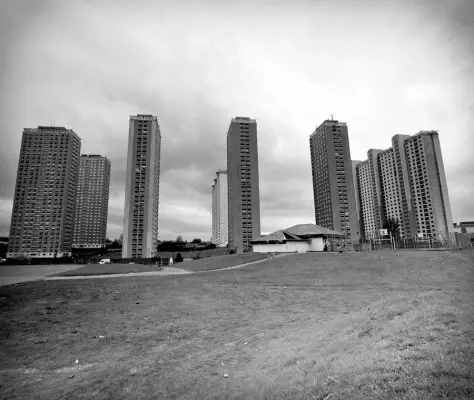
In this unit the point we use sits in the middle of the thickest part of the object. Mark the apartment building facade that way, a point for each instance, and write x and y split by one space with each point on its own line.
333 182
413 190
356 191
428 185
44 205
392 207
243 184
220 219
142 184
92 204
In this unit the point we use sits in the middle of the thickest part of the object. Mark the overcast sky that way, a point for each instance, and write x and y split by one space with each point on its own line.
384 67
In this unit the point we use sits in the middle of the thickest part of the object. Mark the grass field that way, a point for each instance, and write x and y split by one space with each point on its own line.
223 261
202 253
204 264
309 326
109 269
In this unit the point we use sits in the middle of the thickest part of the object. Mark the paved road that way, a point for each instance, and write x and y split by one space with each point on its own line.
10 274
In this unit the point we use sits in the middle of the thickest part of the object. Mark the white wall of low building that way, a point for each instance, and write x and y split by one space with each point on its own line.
290 247
317 244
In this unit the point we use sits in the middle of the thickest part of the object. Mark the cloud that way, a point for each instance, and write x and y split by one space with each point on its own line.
389 68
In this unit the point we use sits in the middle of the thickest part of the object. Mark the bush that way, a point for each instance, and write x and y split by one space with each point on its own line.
179 258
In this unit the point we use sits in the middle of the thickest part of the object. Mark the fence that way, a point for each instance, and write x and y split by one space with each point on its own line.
454 240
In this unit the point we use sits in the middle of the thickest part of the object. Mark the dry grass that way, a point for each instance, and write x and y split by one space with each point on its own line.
219 251
349 326
109 269
222 261
205 264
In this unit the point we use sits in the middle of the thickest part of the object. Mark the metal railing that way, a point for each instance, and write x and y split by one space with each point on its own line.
454 241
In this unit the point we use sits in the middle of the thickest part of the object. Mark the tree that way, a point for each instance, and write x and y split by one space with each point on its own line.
179 239
116 244
3 250
179 258
392 226
196 241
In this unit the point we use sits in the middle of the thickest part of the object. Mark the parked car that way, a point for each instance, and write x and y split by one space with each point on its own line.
3 260
105 261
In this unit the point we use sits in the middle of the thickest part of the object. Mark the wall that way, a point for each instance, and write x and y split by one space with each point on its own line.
317 244
290 247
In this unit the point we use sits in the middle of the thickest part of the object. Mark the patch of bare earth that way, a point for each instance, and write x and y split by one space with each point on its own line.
311 326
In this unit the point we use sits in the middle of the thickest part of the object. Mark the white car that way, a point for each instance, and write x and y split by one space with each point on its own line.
105 261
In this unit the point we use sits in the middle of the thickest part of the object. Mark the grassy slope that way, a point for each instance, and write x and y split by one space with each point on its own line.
108 269
217 262
202 253
358 326
204 264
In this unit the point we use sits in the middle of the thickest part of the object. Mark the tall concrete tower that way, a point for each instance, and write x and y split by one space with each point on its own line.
243 183
45 195
140 231
220 219
406 183
428 185
333 185
90 225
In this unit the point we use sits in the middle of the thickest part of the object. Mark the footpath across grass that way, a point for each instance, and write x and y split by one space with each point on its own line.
109 269
193 253
205 264
380 325
219 262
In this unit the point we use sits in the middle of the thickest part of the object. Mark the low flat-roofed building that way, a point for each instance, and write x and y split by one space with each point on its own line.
297 239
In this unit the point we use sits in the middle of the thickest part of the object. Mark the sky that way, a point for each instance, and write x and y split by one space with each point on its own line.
384 67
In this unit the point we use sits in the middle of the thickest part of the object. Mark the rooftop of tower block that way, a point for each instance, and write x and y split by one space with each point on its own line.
328 122
51 129
333 122
428 132
143 117
244 119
